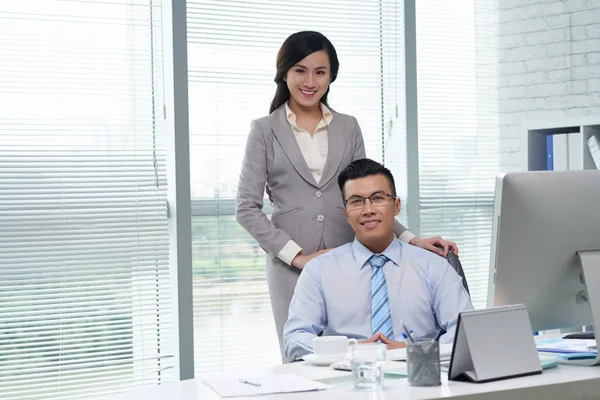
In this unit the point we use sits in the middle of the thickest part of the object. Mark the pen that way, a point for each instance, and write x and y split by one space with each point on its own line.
404 335
408 333
439 334
247 382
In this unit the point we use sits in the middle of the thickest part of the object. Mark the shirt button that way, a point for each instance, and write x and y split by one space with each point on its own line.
318 194
320 218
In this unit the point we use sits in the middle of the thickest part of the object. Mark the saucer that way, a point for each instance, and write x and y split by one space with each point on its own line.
325 359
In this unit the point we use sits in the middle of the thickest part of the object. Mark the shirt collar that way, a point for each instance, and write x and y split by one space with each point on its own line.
362 254
327 114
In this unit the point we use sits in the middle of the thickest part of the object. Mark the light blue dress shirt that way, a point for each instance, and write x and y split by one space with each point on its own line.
333 296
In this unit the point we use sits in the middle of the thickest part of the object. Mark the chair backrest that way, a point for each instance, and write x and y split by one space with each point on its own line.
455 262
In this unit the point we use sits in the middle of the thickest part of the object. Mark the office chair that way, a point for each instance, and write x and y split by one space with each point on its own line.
455 262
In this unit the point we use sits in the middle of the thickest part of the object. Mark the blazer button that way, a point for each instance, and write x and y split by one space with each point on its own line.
320 218
318 194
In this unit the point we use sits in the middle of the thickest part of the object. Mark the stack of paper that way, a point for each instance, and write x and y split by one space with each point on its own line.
569 349
267 384
566 345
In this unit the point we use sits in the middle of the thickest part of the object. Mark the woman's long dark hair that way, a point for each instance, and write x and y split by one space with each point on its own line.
295 48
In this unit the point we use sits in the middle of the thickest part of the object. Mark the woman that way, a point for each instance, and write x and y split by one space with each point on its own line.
297 151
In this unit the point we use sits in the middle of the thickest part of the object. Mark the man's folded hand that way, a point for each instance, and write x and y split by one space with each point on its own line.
380 337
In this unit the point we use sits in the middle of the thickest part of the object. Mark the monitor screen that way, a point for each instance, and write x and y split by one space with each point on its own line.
541 220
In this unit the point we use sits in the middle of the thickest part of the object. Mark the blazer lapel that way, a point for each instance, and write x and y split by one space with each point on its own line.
336 147
285 136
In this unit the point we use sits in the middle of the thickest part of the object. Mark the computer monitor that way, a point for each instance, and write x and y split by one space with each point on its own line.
546 225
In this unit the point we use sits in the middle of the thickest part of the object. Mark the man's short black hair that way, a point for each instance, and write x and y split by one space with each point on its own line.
362 168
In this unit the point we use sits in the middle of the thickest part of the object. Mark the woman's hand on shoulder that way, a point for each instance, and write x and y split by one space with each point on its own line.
302 259
436 245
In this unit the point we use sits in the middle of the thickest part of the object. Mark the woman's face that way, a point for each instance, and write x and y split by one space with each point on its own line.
308 80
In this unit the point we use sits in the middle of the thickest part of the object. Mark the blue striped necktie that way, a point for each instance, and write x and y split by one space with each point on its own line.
381 316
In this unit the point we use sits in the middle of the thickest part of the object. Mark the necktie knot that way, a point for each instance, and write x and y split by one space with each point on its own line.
377 260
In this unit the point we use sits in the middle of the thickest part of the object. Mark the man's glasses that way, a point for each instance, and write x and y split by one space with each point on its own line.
377 199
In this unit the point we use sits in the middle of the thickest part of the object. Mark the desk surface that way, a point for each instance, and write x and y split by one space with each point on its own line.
562 382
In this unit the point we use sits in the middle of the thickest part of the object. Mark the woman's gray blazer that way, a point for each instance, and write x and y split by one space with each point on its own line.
310 213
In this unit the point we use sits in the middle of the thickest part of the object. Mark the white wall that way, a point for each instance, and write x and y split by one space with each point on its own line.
549 55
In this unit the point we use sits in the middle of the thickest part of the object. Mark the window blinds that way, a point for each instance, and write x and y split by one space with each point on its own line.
232 47
86 307
458 129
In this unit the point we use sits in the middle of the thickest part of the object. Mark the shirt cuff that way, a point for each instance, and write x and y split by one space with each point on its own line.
289 251
406 236
297 350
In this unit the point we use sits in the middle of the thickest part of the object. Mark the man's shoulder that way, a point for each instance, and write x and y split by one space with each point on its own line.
343 250
332 256
421 258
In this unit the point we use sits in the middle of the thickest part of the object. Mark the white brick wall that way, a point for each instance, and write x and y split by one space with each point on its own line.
549 66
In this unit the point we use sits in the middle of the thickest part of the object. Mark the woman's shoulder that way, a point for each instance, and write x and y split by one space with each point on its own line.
346 122
261 120
341 115
261 124
346 118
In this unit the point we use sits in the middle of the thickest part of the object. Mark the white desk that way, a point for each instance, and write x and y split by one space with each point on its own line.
562 382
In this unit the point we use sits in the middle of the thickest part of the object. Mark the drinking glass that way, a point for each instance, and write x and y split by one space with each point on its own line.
367 361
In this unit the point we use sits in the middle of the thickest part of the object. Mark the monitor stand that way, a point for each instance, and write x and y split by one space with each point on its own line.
590 263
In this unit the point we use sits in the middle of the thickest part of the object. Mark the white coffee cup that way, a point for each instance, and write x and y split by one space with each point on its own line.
331 345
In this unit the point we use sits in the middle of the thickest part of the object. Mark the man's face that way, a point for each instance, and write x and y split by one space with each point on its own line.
373 224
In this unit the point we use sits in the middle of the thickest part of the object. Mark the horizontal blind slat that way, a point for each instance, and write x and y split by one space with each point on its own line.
458 129
84 249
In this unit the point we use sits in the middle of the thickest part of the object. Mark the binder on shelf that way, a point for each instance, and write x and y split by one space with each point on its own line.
565 153
549 153
594 148
493 344
560 150
575 151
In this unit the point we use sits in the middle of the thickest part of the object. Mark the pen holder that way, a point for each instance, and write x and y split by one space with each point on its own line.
423 363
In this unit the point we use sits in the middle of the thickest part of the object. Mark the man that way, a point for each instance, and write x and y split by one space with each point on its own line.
366 289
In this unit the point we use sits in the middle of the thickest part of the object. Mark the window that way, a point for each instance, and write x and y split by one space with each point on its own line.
86 307
86 303
232 46
458 129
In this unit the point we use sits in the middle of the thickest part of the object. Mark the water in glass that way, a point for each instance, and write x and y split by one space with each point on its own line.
367 365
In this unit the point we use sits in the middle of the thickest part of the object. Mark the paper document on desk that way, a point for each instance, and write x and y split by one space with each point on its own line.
567 345
400 354
269 384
